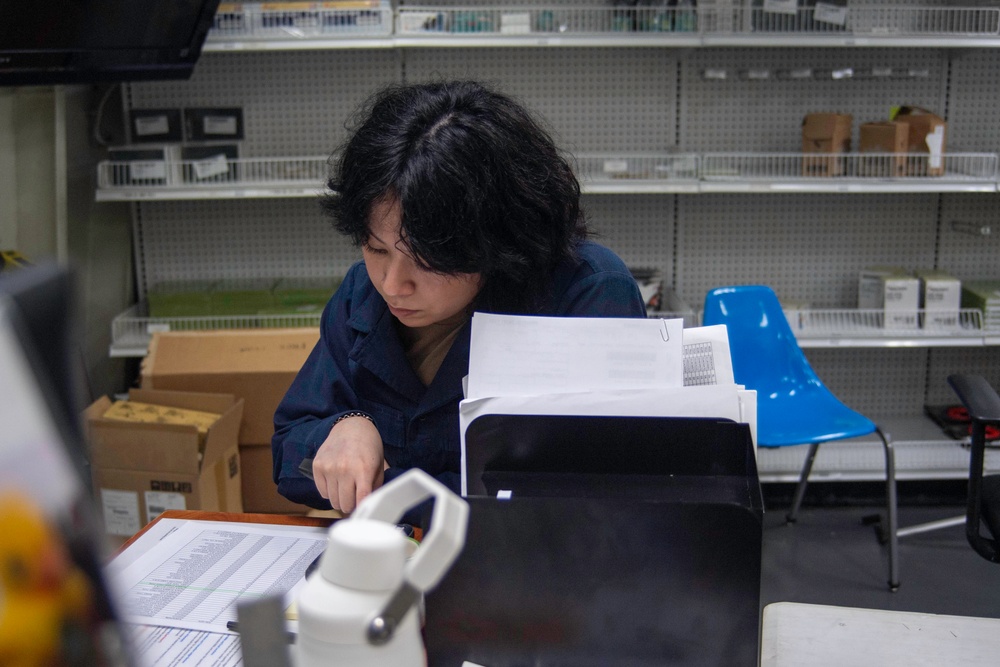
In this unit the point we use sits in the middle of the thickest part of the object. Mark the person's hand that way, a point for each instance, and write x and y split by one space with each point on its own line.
349 464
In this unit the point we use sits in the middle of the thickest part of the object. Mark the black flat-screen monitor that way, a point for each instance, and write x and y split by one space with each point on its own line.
89 41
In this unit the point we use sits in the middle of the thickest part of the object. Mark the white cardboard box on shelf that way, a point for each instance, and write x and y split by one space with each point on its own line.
940 297
893 290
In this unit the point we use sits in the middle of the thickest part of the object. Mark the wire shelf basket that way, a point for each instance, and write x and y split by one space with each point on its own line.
213 172
300 20
969 167
808 323
597 172
132 329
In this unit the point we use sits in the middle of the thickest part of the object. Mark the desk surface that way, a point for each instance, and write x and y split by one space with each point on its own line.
240 517
819 635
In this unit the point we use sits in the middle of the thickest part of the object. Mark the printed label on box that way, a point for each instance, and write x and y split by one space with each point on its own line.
121 512
157 502
147 170
151 125
515 23
615 166
901 303
216 125
213 166
828 13
781 6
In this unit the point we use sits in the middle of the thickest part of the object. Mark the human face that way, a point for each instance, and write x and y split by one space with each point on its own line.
415 296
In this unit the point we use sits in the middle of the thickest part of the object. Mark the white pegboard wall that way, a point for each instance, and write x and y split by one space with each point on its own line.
947 361
964 252
741 114
638 228
592 99
974 100
295 103
886 381
806 247
252 238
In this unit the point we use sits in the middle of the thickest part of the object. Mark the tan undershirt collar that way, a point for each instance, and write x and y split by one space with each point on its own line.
426 347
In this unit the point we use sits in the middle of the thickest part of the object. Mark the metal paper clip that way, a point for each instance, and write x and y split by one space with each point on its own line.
664 334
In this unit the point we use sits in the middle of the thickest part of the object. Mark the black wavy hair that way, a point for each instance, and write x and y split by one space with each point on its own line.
481 185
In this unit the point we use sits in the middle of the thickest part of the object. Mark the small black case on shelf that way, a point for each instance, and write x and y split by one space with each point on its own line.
213 124
147 166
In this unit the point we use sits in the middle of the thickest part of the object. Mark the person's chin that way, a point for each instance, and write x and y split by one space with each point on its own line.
409 318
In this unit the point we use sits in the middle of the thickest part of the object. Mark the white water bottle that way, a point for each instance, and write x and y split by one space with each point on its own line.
361 605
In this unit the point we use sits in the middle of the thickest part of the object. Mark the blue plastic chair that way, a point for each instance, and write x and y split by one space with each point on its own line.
794 407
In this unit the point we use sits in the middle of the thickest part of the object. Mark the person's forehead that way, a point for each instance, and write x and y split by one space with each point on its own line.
384 219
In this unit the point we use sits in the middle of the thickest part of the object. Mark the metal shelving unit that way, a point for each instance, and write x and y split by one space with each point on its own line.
260 26
693 131
608 173
131 330
238 178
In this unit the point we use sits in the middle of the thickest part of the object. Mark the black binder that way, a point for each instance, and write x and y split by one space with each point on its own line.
613 541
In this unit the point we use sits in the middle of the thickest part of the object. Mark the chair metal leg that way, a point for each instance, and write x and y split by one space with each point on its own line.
800 489
931 525
891 509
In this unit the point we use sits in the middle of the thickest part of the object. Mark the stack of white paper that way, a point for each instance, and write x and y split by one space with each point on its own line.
629 367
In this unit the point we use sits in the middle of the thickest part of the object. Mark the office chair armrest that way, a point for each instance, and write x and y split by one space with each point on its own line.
978 397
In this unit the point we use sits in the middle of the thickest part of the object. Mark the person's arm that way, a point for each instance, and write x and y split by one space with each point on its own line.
345 456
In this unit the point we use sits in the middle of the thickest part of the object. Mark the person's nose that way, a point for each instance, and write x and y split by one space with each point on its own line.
399 277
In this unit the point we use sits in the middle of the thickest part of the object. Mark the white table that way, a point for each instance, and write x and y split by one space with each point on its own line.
799 635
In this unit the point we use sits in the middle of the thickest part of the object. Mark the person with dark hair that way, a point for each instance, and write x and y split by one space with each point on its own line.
460 202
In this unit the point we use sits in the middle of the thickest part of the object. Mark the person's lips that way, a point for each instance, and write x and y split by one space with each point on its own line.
401 312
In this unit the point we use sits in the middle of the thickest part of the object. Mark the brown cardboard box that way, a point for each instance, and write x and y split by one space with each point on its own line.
141 469
259 491
828 133
888 137
926 135
255 365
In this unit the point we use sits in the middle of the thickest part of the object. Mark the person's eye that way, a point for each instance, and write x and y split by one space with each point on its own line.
373 250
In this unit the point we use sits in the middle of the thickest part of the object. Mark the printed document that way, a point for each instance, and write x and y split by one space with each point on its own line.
177 586
627 367
196 574
518 355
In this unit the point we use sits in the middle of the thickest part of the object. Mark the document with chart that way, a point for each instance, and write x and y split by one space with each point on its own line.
706 356
194 576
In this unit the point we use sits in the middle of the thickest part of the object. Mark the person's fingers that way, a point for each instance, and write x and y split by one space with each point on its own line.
322 485
363 491
346 493
320 480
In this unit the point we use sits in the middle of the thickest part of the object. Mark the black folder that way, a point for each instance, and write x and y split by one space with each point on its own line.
604 541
